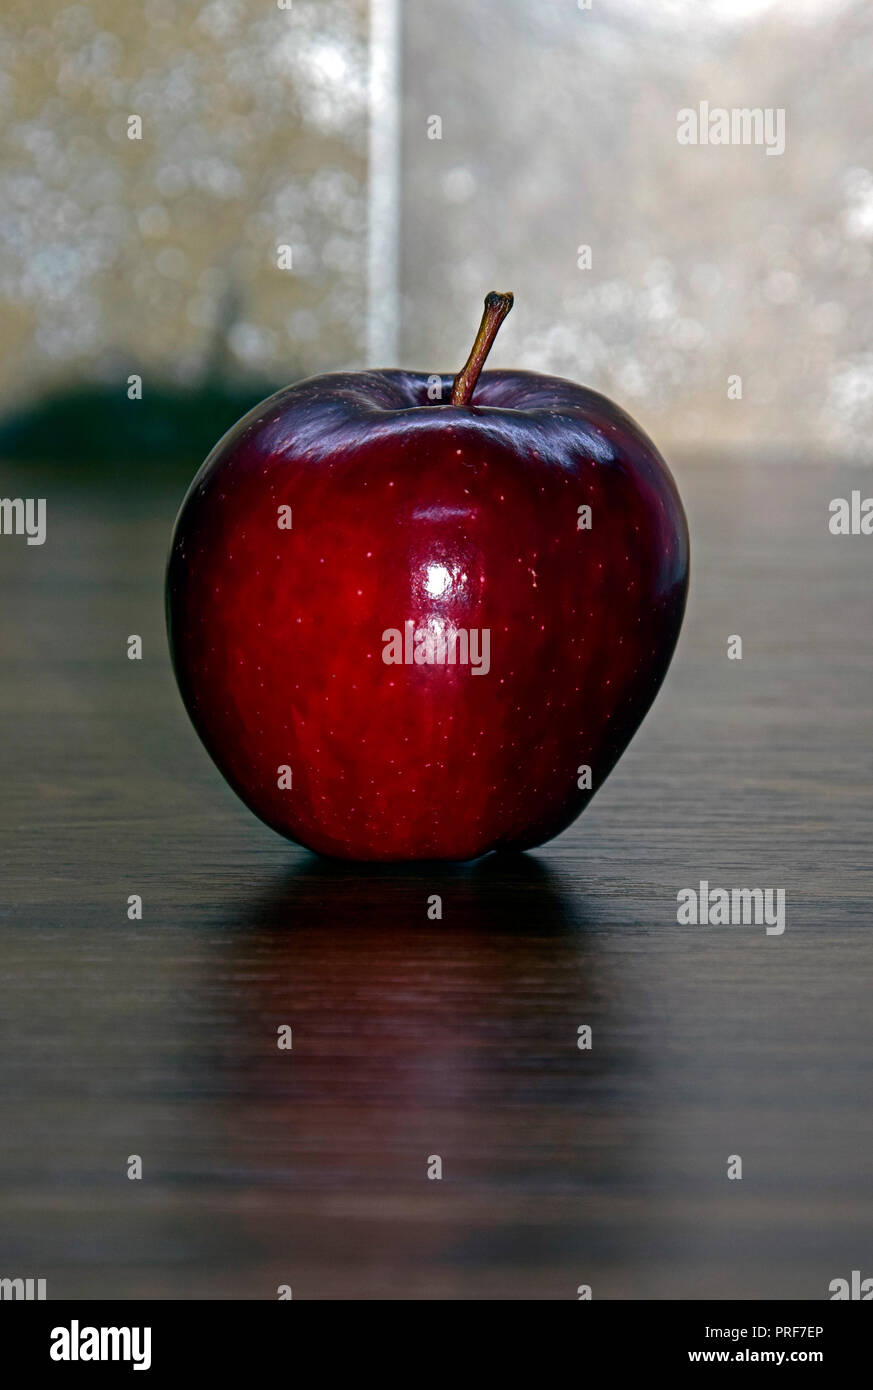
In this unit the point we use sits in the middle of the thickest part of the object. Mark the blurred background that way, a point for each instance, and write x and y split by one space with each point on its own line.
286 212
160 255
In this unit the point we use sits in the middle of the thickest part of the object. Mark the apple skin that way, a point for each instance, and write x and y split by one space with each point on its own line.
407 509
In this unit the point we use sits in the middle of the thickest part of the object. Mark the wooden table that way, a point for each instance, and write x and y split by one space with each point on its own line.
413 1038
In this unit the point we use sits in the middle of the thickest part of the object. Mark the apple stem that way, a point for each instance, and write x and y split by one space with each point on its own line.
497 306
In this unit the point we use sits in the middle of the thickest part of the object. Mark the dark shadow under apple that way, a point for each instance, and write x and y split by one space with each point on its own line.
511 894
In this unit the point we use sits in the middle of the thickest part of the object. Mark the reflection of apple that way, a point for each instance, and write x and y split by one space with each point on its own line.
402 625
414 1036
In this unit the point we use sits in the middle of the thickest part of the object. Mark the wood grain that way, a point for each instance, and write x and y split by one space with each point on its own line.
458 1037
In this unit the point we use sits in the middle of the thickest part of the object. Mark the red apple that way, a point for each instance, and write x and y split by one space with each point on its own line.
353 534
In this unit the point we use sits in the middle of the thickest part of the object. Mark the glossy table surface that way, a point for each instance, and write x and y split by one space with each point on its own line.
412 1038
